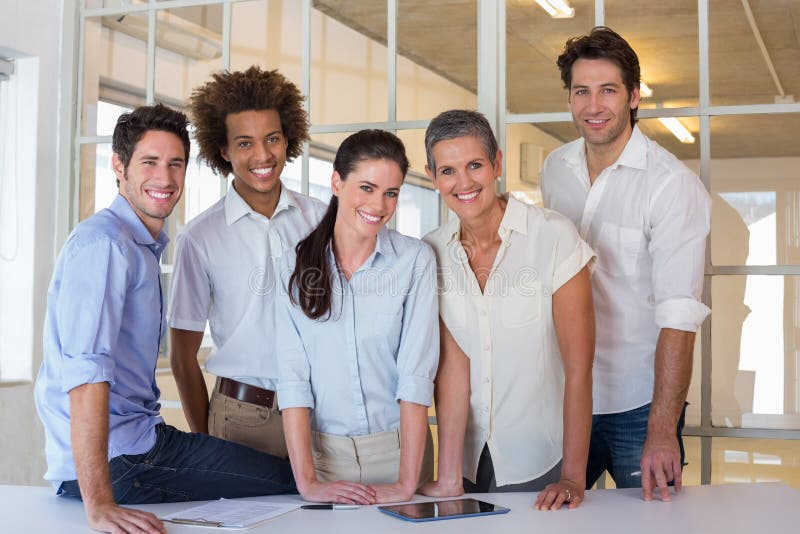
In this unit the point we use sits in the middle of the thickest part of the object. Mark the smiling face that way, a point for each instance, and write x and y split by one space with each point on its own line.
153 181
367 198
256 149
600 103
465 176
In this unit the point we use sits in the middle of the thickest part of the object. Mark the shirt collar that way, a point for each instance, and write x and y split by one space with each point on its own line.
633 155
383 247
515 218
124 211
236 207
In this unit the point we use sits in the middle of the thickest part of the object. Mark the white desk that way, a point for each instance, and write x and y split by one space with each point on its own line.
739 508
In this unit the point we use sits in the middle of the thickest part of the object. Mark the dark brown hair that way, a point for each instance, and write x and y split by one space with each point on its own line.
250 90
132 126
312 277
602 43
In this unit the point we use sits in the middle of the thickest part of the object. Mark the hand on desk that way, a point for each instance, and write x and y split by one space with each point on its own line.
661 463
442 488
564 492
397 492
339 492
118 520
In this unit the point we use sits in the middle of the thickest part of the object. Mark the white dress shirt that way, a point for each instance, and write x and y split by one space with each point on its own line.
507 332
380 344
225 273
647 216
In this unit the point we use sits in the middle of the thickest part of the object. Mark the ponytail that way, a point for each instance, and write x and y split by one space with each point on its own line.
312 274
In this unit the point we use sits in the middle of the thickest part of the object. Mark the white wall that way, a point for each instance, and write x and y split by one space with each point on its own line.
31 30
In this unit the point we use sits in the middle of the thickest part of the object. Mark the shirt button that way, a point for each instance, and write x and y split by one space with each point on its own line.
486 347
483 313
487 380
485 409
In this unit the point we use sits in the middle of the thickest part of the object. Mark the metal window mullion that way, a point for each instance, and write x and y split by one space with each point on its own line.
75 184
501 87
487 61
741 432
151 57
753 270
226 34
706 360
155 4
599 13
305 31
391 59
355 126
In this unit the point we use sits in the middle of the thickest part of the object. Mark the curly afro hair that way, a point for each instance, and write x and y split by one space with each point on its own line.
234 92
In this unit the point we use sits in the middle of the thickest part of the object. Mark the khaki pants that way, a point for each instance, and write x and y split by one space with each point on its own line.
247 424
373 459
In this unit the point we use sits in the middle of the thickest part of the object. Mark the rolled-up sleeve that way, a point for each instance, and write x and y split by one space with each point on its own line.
89 311
680 222
190 298
572 252
294 370
418 354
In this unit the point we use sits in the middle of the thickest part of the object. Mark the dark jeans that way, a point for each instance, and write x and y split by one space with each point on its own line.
486 483
193 467
616 446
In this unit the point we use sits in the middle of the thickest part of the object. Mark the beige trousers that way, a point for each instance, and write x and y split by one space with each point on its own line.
247 424
372 459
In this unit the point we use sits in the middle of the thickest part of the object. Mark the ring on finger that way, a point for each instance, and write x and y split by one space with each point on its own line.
569 496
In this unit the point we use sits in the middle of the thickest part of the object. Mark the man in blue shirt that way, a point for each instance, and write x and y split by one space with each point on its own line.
96 392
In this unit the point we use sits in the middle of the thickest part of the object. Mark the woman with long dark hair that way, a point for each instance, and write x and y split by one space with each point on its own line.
357 338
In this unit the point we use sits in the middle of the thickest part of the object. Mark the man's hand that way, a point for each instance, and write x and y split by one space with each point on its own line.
117 520
661 463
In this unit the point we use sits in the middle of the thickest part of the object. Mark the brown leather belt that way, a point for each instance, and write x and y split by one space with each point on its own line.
246 393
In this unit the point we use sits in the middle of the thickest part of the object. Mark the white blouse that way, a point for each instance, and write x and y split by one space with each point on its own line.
516 372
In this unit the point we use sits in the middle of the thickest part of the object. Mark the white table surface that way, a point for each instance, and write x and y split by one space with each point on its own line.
767 508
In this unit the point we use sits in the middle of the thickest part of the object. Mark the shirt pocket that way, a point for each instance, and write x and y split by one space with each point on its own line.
384 328
522 306
618 252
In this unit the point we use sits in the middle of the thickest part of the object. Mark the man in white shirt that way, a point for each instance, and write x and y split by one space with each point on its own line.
647 217
248 123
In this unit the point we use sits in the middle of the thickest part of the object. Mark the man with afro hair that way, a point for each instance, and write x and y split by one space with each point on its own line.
249 124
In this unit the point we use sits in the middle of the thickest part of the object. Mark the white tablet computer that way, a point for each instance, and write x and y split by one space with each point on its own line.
438 510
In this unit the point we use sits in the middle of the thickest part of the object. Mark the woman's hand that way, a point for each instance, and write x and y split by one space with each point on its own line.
562 492
442 488
340 492
397 492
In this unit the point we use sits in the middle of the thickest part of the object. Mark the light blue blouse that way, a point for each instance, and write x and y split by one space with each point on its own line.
380 344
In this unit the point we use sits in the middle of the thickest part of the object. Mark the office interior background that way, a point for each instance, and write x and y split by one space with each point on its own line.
723 78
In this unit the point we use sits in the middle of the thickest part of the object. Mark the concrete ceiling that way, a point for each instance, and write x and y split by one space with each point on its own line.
442 36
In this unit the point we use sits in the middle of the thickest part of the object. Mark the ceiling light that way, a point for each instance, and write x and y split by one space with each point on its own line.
645 90
677 129
558 9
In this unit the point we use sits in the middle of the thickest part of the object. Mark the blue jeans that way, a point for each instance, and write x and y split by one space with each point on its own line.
193 467
616 446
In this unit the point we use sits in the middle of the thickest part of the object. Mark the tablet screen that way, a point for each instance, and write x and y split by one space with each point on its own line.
443 509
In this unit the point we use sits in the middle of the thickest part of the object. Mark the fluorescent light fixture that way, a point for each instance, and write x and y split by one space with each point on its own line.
645 90
677 129
558 9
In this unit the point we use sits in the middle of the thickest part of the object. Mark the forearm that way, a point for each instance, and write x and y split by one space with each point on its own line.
185 345
573 318
297 428
89 438
451 395
413 433
673 372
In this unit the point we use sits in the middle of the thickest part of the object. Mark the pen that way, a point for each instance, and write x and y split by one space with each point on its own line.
636 474
196 522
330 507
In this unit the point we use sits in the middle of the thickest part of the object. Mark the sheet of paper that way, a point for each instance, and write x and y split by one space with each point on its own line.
233 513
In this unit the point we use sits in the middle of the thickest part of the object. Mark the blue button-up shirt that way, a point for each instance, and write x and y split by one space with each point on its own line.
103 324
379 346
